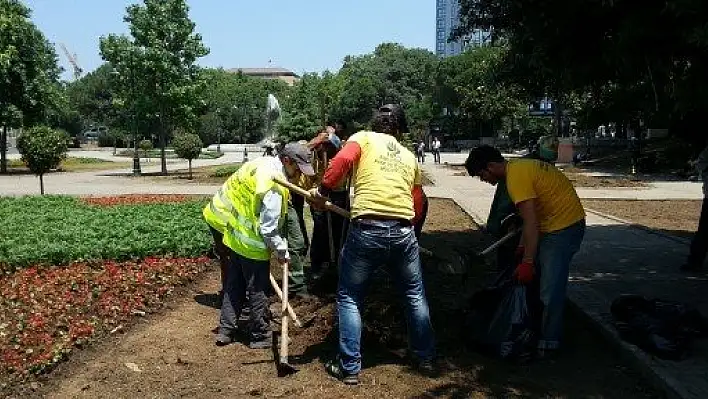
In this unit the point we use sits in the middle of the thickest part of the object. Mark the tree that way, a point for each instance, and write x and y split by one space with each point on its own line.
391 74
146 145
28 72
187 146
42 149
618 63
156 69
475 93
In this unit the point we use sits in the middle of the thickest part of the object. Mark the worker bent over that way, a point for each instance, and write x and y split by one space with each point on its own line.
254 210
553 228
387 202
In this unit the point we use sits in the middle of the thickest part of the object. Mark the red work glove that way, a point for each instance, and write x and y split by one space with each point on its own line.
524 272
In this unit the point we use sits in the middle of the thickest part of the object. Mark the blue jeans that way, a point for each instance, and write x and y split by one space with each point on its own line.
368 246
555 251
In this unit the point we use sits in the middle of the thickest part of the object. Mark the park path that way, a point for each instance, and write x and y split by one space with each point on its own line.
113 182
615 258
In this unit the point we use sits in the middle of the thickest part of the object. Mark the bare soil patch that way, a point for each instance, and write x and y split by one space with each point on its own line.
173 354
677 217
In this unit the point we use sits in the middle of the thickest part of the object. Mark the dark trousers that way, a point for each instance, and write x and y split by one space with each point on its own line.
246 276
699 244
298 202
319 251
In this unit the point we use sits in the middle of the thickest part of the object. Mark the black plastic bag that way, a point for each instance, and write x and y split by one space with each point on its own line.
498 322
663 328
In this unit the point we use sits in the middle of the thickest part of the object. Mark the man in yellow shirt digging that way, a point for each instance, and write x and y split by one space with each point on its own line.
553 228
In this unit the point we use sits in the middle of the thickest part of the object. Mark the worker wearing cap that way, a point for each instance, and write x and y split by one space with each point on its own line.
553 228
255 210
387 203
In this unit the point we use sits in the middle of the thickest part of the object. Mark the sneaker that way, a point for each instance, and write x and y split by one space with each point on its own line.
262 344
334 369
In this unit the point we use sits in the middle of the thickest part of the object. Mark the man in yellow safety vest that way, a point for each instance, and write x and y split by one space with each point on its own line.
252 209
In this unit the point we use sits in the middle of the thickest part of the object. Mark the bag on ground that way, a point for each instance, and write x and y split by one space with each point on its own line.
663 328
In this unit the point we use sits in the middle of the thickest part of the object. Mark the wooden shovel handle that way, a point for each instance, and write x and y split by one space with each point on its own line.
329 205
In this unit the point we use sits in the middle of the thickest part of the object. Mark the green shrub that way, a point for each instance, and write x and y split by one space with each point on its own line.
225 171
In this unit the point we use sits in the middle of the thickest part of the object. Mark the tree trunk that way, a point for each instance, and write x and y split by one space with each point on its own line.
190 169
41 184
3 150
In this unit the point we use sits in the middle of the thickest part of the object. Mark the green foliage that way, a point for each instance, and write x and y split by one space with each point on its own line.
42 149
159 59
187 145
225 171
145 145
59 230
619 67
28 70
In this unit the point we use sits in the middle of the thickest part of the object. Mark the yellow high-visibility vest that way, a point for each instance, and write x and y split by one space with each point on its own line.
239 202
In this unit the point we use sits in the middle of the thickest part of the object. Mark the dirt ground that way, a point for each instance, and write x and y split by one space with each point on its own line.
674 216
173 355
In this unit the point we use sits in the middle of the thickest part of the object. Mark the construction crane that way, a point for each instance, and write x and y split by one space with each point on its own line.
72 60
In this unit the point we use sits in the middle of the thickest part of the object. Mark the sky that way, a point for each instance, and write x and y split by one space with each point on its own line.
300 35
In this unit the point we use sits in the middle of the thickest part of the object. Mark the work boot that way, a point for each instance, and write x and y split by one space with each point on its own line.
334 369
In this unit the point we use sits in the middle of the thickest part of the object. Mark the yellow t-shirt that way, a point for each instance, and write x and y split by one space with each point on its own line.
384 177
557 203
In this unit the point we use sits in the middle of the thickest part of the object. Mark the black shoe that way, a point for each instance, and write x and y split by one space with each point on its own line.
335 370
691 267
427 368
225 339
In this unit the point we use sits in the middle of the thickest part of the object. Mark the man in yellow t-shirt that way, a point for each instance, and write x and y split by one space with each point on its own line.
553 227
388 201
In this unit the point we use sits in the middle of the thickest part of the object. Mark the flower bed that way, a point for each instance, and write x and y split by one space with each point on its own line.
46 312
57 230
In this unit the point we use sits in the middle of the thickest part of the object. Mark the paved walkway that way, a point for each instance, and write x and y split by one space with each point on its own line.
615 259
112 182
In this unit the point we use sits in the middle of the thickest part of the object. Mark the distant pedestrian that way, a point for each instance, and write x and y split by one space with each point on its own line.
436 150
420 151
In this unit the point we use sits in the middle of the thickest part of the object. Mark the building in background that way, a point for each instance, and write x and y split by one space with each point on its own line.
283 74
447 18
